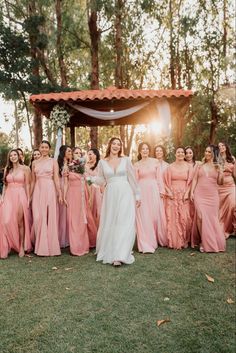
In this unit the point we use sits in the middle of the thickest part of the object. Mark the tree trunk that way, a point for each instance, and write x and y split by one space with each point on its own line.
172 48
62 66
16 123
37 122
118 44
214 121
95 40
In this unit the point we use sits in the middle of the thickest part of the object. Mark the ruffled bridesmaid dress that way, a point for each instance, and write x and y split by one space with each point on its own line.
150 216
177 210
45 210
15 196
206 201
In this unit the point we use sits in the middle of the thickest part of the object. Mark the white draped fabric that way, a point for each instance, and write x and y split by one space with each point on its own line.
162 106
97 114
164 113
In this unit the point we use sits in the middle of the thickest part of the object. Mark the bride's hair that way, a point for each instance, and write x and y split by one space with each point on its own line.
108 151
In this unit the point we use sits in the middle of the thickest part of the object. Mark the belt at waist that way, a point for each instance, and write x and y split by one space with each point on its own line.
117 179
15 185
44 177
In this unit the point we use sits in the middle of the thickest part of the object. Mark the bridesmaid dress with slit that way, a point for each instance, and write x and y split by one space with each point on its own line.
95 196
45 210
15 196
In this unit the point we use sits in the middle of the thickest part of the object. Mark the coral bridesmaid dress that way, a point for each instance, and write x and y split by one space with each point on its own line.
63 233
150 216
227 201
82 230
4 246
15 196
95 196
178 210
45 210
206 201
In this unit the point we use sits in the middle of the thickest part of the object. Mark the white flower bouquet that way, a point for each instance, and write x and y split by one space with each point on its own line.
59 116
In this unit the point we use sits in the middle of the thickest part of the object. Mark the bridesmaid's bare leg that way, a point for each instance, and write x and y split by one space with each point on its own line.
199 227
21 227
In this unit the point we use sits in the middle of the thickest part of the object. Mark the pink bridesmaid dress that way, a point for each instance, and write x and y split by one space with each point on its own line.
4 246
150 216
95 196
63 234
206 201
45 210
178 211
82 230
227 201
15 196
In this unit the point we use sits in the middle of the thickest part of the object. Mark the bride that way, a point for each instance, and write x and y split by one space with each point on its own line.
116 233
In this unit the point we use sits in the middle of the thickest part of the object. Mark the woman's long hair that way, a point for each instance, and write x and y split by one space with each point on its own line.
163 150
97 154
108 151
32 157
214 152
229 156
9 164
140 146
190 148
61 157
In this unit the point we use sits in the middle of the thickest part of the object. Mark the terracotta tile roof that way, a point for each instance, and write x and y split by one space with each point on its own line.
108 94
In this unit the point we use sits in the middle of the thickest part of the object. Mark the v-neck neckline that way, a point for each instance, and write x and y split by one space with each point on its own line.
114 170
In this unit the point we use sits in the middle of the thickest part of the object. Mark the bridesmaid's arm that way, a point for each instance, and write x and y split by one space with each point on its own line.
160 180
27 184
194 183
220 177
33 179
56 180
65 188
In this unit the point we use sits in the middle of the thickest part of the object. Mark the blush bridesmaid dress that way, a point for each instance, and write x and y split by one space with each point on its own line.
82 231
45 210
206 202
15 196
150 216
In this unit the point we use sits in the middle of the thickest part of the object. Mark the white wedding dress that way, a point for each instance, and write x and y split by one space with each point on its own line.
116 233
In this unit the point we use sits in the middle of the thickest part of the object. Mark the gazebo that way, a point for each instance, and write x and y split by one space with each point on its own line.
114 106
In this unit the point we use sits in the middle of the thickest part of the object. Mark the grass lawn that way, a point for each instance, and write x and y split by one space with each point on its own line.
86 307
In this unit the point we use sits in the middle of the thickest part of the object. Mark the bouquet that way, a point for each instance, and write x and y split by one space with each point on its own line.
77 166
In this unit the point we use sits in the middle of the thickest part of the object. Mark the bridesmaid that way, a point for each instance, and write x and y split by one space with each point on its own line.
177 179
45 188
94 190
150 216
15 204
35 156
160 155
207 231
64 158
82 231
116 233
227 190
